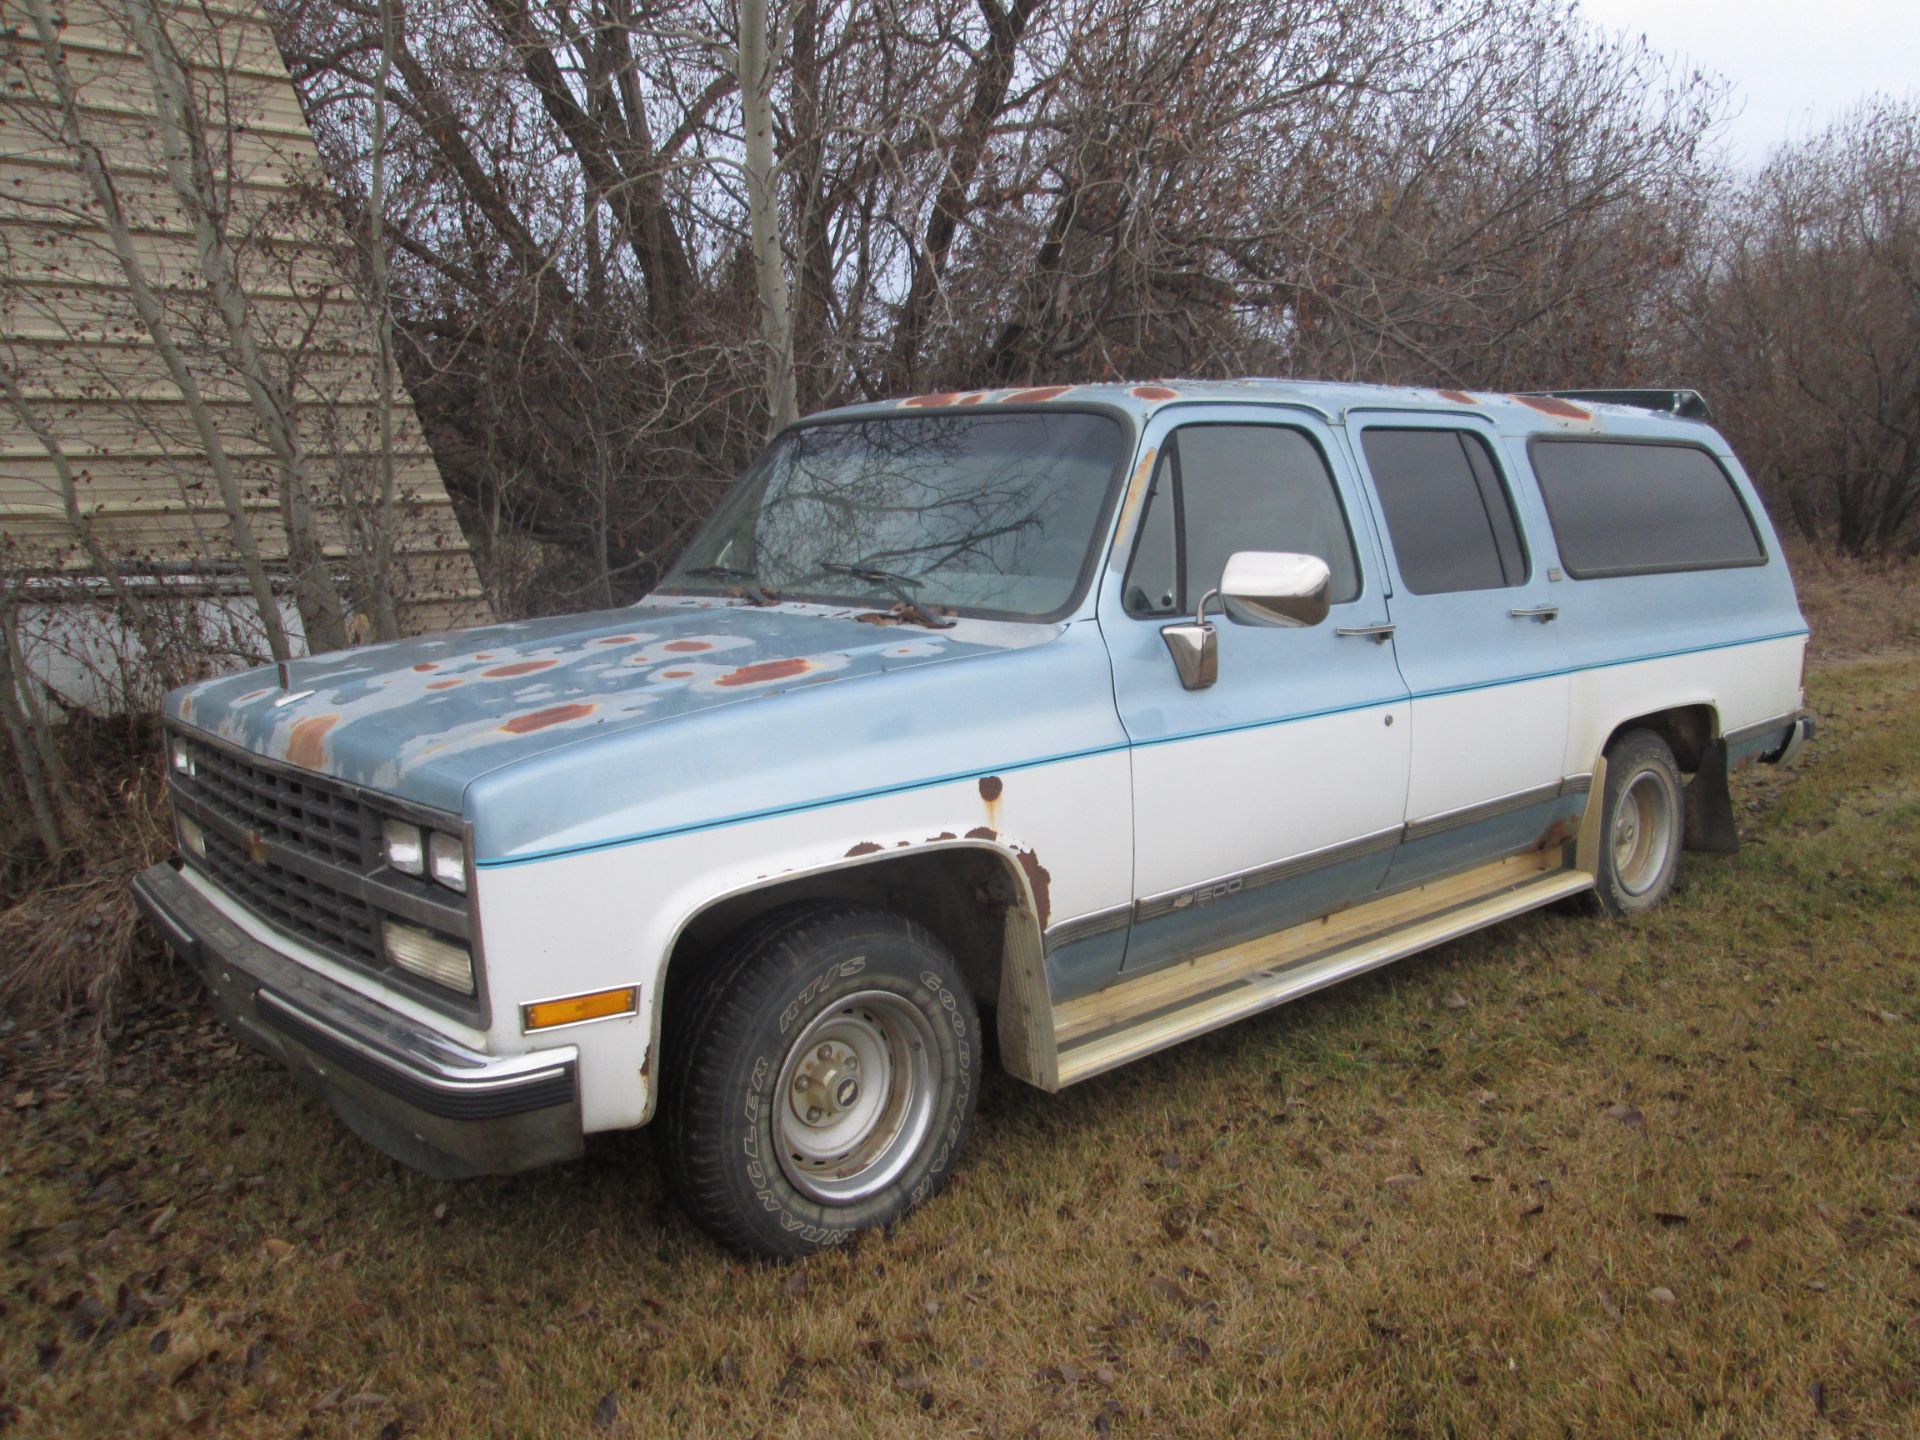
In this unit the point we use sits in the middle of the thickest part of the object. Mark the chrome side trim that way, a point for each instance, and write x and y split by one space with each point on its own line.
1085 927
1576 785
1485 810
1152 907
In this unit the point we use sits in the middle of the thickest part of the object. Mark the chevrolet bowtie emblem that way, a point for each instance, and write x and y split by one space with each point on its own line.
257 848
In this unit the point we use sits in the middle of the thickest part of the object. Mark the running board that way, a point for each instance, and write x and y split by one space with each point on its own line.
1136 1017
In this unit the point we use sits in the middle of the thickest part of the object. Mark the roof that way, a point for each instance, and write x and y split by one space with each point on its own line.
1331 400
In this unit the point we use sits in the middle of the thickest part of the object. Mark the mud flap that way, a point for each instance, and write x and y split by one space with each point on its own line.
1709 805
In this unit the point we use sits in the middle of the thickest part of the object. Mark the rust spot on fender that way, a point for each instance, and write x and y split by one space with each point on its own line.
1037 396
541 719
687 647
1552 405
444 684
990 788
764 671
1154 392
981 832
1040 882
943 835
1558 833
519 667
865 847
425 665
307 746
1458 397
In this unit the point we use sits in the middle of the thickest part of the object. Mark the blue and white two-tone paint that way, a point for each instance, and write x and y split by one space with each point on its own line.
944 688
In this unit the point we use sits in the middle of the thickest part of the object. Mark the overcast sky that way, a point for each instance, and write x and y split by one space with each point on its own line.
1794 64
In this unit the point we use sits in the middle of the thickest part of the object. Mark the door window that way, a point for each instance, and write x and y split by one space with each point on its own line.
1449 517
1224 488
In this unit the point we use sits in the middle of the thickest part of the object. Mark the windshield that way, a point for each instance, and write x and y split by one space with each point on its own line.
976 513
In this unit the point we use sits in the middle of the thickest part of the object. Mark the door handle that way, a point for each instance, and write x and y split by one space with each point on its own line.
1545 614
1379 634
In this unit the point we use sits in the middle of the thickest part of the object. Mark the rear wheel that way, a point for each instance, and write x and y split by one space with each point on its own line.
1645 820
821 1076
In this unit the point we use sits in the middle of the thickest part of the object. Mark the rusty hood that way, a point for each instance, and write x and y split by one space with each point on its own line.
422 718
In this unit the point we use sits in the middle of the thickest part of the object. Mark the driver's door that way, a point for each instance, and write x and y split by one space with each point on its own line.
1276 794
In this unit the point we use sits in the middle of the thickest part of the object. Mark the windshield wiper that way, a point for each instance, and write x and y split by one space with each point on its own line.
902 587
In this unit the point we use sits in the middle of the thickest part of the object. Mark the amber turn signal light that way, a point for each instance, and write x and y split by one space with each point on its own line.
545 1014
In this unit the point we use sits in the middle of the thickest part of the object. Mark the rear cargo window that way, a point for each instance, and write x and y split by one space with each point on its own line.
1448 515
1622 507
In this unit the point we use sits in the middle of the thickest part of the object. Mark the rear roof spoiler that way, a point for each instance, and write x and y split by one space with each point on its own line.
1684 404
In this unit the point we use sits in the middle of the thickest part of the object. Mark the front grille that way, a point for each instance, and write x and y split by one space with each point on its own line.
302 852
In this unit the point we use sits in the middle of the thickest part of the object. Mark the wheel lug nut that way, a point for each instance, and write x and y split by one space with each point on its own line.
813 1115
852 1062
826 1052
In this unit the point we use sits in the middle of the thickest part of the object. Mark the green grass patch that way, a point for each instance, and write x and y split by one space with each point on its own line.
1566 1177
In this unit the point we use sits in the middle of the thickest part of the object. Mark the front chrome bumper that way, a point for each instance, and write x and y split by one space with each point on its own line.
424 1099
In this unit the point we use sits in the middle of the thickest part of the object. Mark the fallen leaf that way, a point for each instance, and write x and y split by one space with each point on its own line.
606 1410
1627 1115
1454 1000
1661 1295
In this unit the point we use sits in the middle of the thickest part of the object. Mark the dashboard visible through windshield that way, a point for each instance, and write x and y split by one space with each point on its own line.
982 513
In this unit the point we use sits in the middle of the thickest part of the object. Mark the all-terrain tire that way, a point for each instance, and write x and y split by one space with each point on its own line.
778 1150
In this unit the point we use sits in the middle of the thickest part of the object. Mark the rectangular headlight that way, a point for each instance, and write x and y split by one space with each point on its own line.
181 756
432 957
447 861
193 839
403 847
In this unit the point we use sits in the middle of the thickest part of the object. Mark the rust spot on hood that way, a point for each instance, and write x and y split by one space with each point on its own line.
307 745
676 674
519 667
250 695
1154 392
865 847
990 788
1040 882
444 684
426 665
541 719
1458 397
484 655
1552 405
620 640
764 671
687 647
1036 396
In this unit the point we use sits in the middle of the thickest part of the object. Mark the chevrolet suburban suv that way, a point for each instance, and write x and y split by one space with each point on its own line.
1120 711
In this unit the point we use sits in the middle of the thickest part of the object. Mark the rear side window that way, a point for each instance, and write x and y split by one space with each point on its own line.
1639 508
1449 517
1223 488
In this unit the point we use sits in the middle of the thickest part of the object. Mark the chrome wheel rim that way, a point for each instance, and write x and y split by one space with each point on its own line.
854 1100
1643 825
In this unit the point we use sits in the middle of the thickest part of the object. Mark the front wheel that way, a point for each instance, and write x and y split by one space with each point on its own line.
1645 819
820 1079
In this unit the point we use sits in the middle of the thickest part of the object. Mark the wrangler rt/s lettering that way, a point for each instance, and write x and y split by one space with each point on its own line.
1117 713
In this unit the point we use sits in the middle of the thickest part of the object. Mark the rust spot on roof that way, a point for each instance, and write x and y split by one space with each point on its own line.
444 684
1154 392
484 655
426 665
764 671
931 402
990 788
620 640
865 847
250 695
1036 396
1040 882
541 719
519 667
307 746
687 647
1458 397
676 674
186 707
1553 405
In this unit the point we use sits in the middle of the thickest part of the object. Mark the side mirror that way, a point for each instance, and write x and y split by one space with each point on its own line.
1258 587
1275 587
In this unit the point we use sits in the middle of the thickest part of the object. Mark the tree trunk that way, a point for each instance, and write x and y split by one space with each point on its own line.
763 214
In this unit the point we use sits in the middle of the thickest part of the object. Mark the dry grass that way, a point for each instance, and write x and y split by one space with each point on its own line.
1568 1177
1856 607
